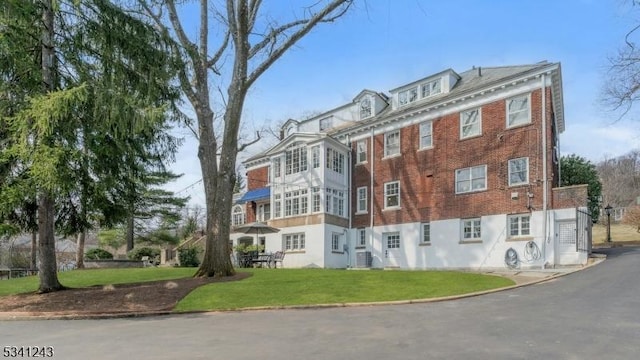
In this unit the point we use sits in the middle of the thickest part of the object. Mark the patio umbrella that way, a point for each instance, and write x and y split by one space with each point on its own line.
257 228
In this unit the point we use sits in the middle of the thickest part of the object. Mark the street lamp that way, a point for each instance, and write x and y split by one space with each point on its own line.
607 210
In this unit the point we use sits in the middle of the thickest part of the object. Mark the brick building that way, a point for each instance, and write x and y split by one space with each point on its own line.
449 171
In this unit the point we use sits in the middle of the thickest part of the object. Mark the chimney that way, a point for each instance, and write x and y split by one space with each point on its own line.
479 71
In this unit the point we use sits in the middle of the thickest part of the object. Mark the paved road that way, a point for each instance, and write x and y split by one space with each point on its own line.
592 314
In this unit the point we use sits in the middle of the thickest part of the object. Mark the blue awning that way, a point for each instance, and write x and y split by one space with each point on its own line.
255 195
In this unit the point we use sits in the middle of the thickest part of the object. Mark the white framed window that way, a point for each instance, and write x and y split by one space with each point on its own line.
237 217
392 194
264 212
471 229
296 202
365 108
470 123
425 236
334 201
315 199
295 159
407 96
431 88
277 205
336 242
518 110
392 240
293 242
326 123
519 225
315 156
392 143
361 151
471 179
426 134
362 237
277 169
361 201
519 171
335 161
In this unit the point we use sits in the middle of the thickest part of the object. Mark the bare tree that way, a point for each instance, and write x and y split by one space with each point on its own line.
620 178
253 42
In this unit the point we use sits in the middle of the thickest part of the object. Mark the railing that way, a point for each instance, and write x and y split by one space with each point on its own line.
583 230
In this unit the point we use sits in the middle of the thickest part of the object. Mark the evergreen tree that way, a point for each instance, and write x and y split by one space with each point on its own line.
576 170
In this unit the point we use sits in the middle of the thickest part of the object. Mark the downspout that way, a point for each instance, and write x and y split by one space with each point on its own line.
371 202
348 172
545 184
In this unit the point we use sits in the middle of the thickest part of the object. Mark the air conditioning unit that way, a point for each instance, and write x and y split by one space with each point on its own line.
363 259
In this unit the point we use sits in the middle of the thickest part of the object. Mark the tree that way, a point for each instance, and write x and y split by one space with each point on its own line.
253 42
576 170
620 177
96 89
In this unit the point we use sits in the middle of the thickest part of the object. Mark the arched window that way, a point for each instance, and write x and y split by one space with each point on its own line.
237 215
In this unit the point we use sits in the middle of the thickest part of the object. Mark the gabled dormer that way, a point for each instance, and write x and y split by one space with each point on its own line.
426 88
368 104
288 128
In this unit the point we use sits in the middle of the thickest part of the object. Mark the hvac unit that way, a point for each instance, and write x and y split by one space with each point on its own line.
363 259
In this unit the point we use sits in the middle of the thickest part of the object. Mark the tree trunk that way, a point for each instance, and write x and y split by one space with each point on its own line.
48 269
129 231
34 250
80 249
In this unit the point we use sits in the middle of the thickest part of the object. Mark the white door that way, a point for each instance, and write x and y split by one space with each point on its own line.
566 242
392 249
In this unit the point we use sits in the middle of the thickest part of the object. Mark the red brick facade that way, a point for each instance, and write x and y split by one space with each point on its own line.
427 177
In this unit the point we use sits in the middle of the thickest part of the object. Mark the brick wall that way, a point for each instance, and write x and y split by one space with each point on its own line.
257 178
427 177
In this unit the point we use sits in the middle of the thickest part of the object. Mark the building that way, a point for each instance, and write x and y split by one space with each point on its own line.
454 170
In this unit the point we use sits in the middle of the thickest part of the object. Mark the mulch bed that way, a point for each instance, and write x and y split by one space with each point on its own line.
111 299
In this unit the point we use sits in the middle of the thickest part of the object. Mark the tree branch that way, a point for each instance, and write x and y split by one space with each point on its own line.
245 145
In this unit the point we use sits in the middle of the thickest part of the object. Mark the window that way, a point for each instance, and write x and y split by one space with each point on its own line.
335 161
334 202
361 151
426 233
365 108
277 204
407 96
362 200
296 202
431 88
392 194
264 212
237 217
470 123
335 242
293 242
426 134
296 159
392 143
518 111
519 225
471 229
277 171
315 199
392 240
362 237
326 123
315 156
471 179
518 171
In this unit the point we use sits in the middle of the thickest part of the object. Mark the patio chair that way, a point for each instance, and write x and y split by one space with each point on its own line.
277 257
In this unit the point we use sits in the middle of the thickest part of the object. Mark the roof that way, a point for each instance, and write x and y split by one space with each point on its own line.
255 195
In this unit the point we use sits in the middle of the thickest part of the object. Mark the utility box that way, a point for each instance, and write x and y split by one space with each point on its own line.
363 259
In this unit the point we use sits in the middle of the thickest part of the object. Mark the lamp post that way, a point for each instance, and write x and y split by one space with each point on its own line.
607 211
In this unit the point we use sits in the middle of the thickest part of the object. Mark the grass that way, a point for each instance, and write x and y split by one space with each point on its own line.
91 277
321 286
619 233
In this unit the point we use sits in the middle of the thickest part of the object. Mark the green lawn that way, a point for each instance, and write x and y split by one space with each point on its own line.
620 233
271 287
90 277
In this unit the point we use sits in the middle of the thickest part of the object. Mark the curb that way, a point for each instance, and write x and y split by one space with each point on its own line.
21 316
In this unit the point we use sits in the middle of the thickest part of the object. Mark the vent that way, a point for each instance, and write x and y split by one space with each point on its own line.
363 259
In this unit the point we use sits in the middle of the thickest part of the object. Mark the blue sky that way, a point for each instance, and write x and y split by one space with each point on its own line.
382 44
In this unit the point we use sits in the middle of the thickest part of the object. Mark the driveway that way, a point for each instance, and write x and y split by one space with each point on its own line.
591 314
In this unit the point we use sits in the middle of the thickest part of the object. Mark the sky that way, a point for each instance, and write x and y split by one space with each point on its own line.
382 44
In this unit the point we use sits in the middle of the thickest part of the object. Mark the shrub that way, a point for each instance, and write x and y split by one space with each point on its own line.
138 253
188 257
98 254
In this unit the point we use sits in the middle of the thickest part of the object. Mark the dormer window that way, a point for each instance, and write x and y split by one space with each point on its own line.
326 123
431 88
365 108
407 96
